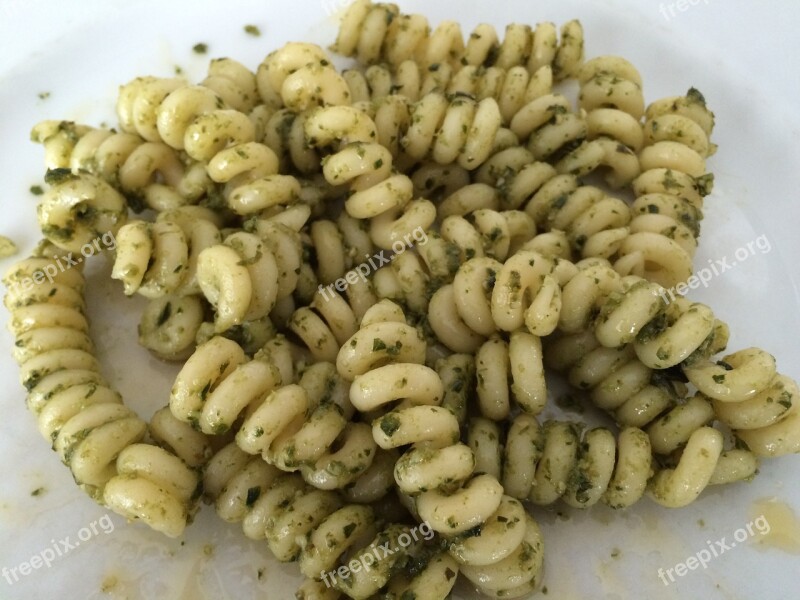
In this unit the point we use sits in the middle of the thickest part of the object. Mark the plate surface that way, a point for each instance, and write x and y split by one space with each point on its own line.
738 54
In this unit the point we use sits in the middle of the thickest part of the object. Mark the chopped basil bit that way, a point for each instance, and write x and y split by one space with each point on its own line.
389 424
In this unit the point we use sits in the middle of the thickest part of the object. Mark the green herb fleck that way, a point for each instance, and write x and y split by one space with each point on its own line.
389 424
252 495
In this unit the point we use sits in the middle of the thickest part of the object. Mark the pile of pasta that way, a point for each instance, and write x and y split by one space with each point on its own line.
332 407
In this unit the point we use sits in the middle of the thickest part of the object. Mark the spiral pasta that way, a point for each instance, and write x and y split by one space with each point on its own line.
365 273
154 486
384 198
169 325
298 75
512 88
305 426
151 171
672 186
612 98
75 409
376 33
292 426
335 247
595 223
301 523
239 278
79 209
750 397
98 438
156 259
330 320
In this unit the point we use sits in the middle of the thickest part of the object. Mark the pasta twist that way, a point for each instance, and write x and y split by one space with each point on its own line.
379 195
548 127
407 281
252 336
458 130
150 171
179 438
595 223
293 426
411 277
506 559
98 438
448 129
488 296
750 397
336 247
249 171
161 258
437 470
487 232
299 75
434 470
302 523
198 121
154 486
78 210
284 134
511 88
375 33
330 320
169 325
203 392
632 310
233 82
612 99
431 574
245 276
672 185
559 460
305 427
76 410
383 338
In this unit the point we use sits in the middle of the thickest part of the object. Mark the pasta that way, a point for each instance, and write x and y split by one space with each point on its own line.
368 278
79 209
98 438
612 97
672 184
150 171
155 259
169 326
512 88
378 32
282 510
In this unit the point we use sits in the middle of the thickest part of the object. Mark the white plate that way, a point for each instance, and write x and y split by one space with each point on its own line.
735 53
